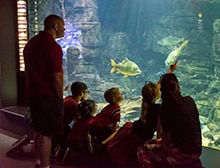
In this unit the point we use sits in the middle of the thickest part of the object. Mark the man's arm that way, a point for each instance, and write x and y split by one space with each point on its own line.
58 84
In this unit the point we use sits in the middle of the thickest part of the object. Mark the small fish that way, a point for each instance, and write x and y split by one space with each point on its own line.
175 53
217 142
67 87
208 135
126 67
131 106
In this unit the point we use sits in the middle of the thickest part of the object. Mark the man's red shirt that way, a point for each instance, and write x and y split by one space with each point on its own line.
43 58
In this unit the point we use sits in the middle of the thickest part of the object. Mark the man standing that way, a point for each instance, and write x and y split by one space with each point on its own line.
44 86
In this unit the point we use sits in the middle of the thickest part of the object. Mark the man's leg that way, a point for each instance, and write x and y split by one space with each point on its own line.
45 149
37 141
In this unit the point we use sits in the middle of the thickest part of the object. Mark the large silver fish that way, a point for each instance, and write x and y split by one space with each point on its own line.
175 53
126 67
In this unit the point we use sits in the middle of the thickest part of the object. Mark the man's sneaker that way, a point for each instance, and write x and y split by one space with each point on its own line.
17 147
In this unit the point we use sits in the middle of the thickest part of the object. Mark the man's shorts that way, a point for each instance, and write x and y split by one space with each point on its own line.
46 115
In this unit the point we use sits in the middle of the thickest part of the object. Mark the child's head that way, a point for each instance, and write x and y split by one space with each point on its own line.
113 95
79 89
150 92
87 108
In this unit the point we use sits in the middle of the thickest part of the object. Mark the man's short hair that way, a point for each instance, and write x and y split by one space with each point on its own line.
51 20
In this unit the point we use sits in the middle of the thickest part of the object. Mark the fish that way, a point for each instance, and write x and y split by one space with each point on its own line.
175 53
208 135
130 105
217 142
170 41
126 67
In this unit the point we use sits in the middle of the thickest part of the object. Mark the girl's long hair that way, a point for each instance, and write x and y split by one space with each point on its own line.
149 93
170 90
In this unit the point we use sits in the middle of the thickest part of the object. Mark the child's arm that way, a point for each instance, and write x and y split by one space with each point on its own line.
115 118
109 138
89 142
114 127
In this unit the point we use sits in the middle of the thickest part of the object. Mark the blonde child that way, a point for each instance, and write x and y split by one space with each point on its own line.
106 122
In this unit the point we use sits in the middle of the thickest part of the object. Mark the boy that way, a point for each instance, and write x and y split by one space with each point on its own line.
105 122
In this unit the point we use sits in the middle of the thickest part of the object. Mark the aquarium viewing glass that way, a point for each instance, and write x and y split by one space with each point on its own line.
142 34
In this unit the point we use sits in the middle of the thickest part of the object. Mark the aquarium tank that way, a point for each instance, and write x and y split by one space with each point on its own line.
123 43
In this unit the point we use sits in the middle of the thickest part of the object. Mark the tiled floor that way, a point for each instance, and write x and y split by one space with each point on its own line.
26 161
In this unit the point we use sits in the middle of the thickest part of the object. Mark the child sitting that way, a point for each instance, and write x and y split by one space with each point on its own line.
123 147
106 122
77 139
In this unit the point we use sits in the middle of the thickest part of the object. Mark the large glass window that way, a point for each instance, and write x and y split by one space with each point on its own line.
103 34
